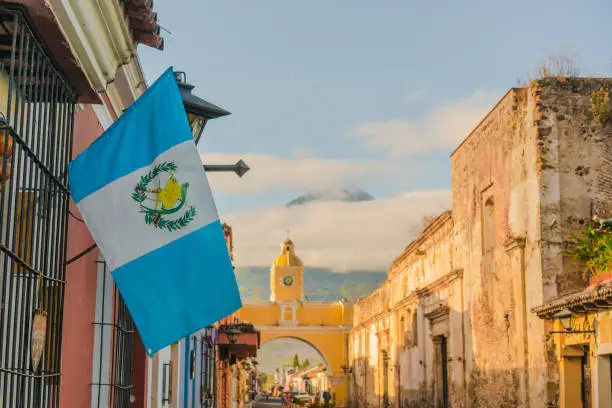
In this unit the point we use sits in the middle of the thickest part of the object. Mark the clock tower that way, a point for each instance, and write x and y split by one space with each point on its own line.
287 275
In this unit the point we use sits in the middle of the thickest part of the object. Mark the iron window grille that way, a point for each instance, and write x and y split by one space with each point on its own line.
37 107
208 365
114 335
167 374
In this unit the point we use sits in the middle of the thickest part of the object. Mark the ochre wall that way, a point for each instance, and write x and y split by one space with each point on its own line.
331 345
283 292
323 325
317 314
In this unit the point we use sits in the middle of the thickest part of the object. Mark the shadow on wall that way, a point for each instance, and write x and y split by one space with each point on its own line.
434 372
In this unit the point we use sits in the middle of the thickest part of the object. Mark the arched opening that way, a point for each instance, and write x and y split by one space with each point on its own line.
488 227
293 364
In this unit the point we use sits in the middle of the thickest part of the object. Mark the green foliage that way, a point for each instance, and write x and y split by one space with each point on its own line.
352 290
320 283
151 218
306 363
263 380
592 248
296 361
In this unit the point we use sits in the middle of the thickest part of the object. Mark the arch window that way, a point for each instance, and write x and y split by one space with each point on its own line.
488 226
402 335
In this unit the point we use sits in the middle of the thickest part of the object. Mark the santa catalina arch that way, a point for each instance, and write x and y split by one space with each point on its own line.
323 325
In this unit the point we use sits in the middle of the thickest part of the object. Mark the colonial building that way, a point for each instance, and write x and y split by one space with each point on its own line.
288 314
452 324
581 332
312 380
67 71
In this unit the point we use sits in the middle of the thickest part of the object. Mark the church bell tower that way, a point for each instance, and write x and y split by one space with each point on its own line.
287 275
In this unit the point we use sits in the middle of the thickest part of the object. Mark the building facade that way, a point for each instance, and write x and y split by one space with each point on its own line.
68 70
580 326
452 324
288 314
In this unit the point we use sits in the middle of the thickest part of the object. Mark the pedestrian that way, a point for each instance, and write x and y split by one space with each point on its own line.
287 400
326 398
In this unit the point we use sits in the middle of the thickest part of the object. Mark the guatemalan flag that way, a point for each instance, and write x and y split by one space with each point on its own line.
143 193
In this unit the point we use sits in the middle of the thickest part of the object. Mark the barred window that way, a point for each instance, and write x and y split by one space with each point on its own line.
113 336
208 364
36 123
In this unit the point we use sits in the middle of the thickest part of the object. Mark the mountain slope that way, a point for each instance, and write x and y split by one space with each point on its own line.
319 283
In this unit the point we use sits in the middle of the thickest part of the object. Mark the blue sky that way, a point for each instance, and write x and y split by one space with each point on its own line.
371 93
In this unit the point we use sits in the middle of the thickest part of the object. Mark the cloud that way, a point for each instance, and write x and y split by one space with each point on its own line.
440 129
343 236
299 172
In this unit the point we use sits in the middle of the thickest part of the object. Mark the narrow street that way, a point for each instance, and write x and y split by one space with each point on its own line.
263 403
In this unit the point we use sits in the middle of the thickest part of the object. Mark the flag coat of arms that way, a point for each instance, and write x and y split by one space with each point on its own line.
144 196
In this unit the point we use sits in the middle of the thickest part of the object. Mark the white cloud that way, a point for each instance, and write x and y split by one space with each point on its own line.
338 235
299 172
442 128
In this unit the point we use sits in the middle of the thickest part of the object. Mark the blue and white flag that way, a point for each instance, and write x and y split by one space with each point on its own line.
143 193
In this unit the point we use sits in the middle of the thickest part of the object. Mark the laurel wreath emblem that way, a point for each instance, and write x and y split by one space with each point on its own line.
152 216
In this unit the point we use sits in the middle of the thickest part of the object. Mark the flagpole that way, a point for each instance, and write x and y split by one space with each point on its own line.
240 168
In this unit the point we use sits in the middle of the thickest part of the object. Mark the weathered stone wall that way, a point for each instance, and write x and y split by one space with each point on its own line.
536 167
396 319
541 158
575 149
490 170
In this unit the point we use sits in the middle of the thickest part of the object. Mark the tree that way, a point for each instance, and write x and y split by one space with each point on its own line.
305 363
296 361
263 380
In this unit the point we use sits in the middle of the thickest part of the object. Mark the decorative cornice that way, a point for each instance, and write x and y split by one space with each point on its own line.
414 246
438 312
100 38
440 283
418 293
316 329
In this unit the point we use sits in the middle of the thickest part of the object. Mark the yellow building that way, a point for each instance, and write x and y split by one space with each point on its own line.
580 326
287 314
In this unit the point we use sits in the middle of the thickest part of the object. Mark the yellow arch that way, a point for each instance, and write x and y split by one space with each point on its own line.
323 325
265 340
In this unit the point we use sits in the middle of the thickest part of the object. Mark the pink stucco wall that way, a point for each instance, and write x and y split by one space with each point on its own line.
80 296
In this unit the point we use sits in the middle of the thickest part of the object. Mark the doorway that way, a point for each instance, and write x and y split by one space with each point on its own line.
576 377
385 378
585 381
441 371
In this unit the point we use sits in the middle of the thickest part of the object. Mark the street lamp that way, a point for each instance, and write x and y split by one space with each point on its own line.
198 110
565 317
